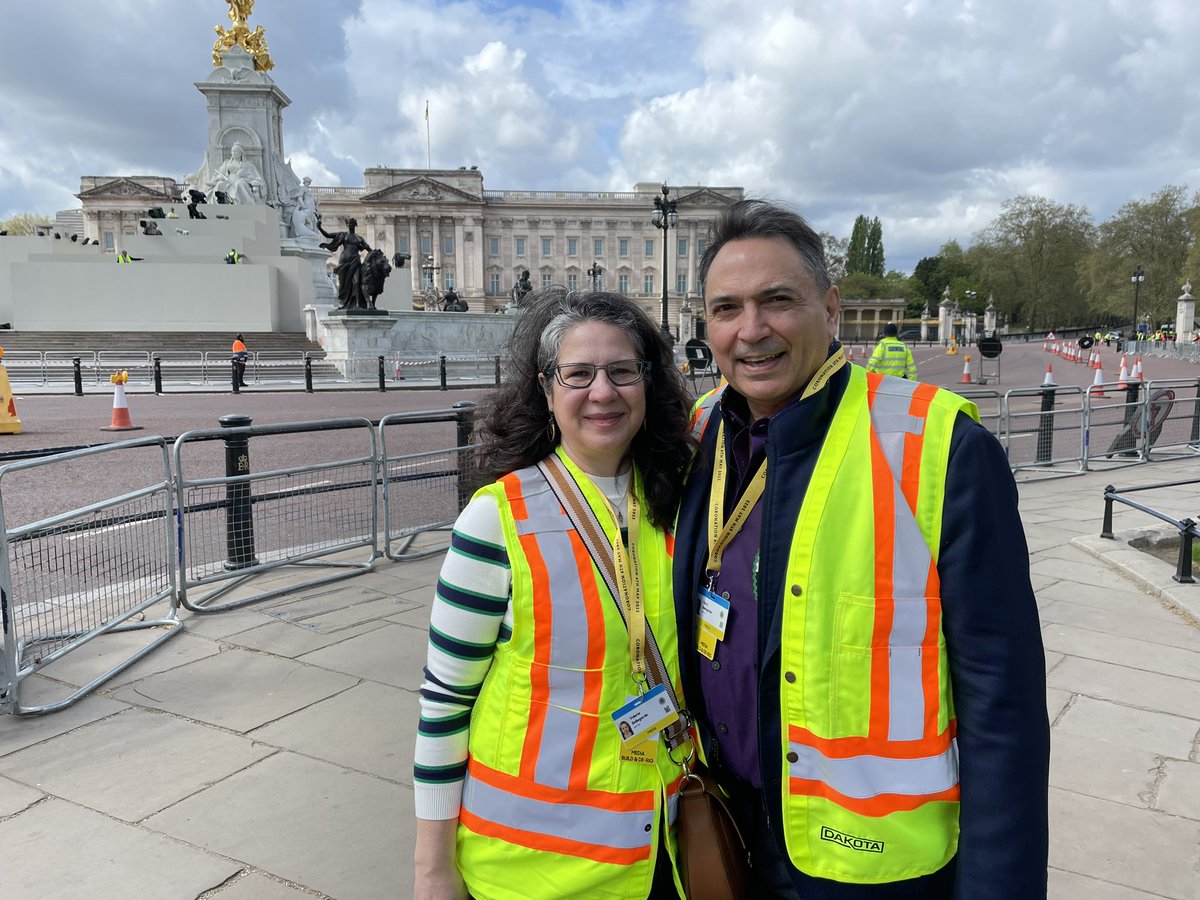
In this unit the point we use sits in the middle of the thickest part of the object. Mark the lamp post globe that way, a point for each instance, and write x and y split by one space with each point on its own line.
1138 276
594 273
665 217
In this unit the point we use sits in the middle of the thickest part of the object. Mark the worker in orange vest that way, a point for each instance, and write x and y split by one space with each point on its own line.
240 355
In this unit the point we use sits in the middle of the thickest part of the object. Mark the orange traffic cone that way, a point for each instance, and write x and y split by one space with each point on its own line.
1048 381
966 375
849 353
1123 378
120 413
1097 390
1137 370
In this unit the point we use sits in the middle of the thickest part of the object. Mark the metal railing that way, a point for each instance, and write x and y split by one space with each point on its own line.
241 523
426 490
67 579
1186 527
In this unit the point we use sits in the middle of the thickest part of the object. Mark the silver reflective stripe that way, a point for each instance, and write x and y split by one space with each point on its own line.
704 411
911 559
568 630
574 822
862 777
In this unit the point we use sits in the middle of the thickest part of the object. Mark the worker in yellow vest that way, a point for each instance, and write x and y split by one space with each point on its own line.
858 632
892 356
539 771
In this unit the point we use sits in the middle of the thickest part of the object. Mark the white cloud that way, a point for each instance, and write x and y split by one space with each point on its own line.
927 114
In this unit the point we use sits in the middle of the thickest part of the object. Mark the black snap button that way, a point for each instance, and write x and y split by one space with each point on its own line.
647 828
723 728
792 757
724 595
789 677
797 590
716 665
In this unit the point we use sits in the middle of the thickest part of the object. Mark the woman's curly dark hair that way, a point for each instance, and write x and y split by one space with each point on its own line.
512 420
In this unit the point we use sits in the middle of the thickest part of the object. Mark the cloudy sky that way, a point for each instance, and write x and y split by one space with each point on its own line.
926 113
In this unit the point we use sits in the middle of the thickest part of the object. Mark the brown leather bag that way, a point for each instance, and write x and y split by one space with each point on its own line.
714 863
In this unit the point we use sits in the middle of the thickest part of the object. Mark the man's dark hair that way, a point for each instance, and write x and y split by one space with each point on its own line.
758 218
512 420
890 330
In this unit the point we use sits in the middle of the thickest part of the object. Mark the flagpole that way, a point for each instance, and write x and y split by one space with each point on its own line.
428 151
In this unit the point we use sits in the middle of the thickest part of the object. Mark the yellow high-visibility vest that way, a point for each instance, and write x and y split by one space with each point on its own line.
870 786
549 808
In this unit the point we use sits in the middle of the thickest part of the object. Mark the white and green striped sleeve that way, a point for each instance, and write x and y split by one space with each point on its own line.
471 613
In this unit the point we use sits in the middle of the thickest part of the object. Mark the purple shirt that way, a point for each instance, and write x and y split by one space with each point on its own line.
729 682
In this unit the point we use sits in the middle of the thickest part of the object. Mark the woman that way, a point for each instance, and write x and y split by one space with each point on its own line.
529 656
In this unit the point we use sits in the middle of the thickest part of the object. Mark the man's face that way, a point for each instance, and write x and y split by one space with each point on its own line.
768 324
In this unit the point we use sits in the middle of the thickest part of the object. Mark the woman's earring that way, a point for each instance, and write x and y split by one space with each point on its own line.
551 430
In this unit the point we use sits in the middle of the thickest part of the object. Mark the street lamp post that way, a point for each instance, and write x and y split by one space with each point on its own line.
594 273
665 217
1137 278
429 289
969 310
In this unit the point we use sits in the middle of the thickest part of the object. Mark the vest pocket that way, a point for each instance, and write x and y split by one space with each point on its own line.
879 652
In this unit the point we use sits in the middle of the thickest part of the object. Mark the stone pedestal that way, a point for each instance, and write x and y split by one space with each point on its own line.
323 292
354 338
1185 316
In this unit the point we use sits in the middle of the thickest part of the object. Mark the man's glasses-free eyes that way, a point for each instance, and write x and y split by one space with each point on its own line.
621 373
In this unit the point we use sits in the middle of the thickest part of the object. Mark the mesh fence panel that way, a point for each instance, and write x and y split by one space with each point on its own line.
293 515
423 490
86 573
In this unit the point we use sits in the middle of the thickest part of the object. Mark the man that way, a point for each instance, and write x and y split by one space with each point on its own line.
240 355
232 258
124 257
865 756
892 356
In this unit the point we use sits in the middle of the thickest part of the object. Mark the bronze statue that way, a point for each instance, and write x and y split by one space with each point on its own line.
374 272
349 265
521 288
253 42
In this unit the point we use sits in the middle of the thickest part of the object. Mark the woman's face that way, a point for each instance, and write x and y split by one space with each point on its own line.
597 423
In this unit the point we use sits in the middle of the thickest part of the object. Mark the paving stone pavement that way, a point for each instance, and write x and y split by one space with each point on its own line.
265 753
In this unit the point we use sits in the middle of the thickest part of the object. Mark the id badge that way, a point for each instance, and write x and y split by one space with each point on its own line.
712 620
644 717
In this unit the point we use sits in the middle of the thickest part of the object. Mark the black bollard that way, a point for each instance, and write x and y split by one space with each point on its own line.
497 371
464 418
157 375
308 373
239 508
1183 570
382 376
78 377
1045 435
237 378
442 371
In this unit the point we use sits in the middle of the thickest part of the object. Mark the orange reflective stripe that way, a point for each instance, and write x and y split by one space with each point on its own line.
930 676
552 843
539 670
914 445
669 540
878 806
593 677
885 538
846 747
512 493
636 801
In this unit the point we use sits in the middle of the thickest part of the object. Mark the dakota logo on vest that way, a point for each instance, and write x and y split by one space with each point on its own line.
867 845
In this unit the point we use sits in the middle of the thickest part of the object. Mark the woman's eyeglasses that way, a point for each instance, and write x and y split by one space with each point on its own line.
621 373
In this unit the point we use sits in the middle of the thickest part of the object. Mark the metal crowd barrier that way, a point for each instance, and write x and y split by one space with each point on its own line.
67 579
235 523
426 490
1031 423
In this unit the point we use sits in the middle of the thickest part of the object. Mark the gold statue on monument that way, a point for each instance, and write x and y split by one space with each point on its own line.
254 42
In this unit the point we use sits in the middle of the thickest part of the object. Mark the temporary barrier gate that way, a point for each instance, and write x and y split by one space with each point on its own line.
991 408
424 490
1043 429
235 523
1171 421
69 578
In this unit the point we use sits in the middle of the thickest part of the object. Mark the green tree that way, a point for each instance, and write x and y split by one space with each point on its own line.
874 250
24 223
856 252
1155 234
835 255
1029 255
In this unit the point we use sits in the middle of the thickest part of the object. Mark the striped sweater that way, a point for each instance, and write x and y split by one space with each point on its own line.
471 614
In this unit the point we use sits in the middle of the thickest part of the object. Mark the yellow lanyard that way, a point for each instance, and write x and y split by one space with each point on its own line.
629 584
718 536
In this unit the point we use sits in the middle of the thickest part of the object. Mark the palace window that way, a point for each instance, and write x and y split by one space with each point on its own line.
494 283
681 282
598 247
623 244
683 246
623 284
520 251
448 245
547 246
648 284
649 248
494 246
572 282
572 246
